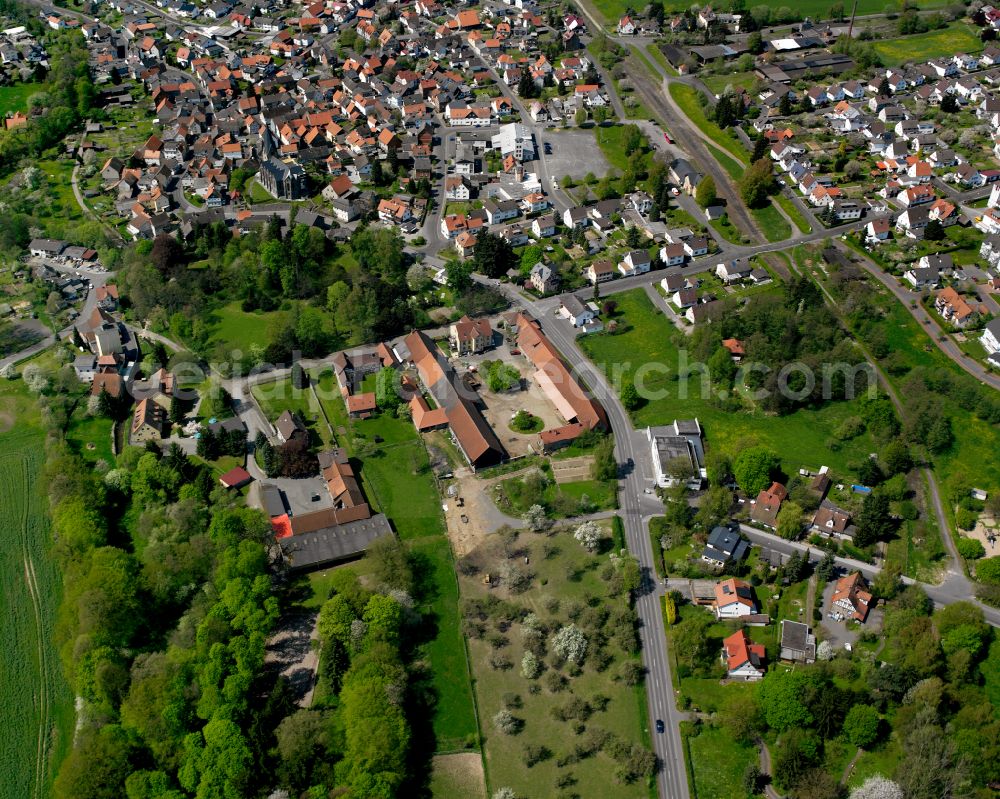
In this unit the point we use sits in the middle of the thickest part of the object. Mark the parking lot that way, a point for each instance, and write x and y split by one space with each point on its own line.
574 153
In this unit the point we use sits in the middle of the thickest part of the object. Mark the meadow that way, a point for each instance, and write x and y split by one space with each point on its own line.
15 98
611 10
959 37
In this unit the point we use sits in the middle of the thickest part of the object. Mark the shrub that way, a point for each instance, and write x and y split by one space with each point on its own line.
970 548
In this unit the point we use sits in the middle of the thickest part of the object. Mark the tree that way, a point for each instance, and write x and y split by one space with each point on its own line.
605 466
526 86
878 787
785 104
97 764
949 104
302 741
570 644
782 700
531 667
589 534
535 519
874 522
507 723
492 255
790 519
837 12
827 568
861 726
934 231
755 43
757 183
705 194
754 469
458 275
387 389
630 396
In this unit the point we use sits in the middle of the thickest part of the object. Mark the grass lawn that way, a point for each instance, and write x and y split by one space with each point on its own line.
560 499
732 167
793 212
718 763
90 436
657 55
257 193
774 225
882 760
457 775
649 338
36 706
725 228
454 716
15 98
691 103
568 575
236 329
958 37
609 139
738 80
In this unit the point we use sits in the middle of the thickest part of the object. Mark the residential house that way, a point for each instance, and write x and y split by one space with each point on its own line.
468 336
851 595
734 598
288 427
744 660
798 644
956 310
544 226
734 271
724 547
543 278
635 262
831 521
768 503
600 271
149 420
573 309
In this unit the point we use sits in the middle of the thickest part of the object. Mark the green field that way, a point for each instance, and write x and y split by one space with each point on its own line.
691 104
733 168
797 217
772 223
799 438
718 763
236 329
958 37
36 707
738 80
15 98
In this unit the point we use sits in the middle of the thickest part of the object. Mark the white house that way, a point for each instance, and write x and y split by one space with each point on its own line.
635 262
678 448
570 307
990 339
736 270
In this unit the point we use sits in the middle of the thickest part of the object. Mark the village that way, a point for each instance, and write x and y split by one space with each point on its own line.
521 316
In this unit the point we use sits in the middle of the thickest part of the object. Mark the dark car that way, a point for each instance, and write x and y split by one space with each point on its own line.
659 725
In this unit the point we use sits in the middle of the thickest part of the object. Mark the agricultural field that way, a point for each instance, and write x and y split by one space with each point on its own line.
649 338
36 707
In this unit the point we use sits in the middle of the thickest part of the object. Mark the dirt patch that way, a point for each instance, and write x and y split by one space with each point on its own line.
470 512
987 533
291 652
6 421
572 469
460 774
